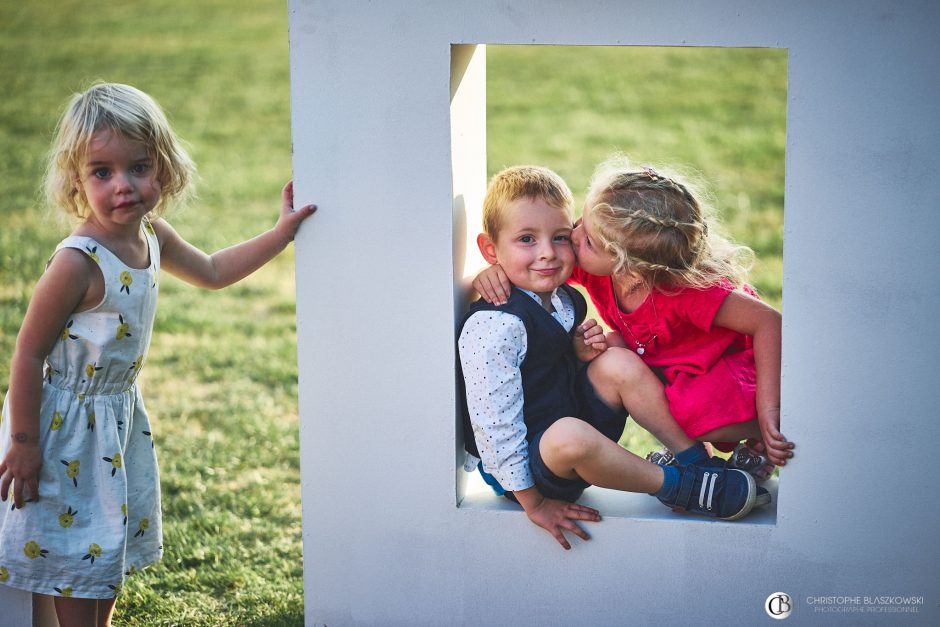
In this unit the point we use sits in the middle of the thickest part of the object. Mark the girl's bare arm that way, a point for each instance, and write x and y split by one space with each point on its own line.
59 292
234 263
745 314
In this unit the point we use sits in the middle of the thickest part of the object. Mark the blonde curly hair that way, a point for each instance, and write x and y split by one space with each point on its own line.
131 113
654 226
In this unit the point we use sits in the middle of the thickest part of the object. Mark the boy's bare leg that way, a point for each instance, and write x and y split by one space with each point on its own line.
572 448
622 379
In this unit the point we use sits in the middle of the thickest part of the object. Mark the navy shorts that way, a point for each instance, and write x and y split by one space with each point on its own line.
594 411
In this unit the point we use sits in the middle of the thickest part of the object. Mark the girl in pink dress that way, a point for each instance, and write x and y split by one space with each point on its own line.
673 291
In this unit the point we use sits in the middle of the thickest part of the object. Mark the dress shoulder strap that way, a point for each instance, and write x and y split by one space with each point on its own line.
101 255
153 242
85 244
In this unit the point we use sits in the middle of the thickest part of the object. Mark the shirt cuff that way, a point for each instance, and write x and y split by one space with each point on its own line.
470 464
514 478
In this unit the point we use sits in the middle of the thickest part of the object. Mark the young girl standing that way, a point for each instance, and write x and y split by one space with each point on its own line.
76 448
674 292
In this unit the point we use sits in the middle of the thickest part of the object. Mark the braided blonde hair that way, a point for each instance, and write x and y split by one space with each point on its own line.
655 227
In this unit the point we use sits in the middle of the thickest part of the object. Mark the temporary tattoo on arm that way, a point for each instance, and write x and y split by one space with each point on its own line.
22 437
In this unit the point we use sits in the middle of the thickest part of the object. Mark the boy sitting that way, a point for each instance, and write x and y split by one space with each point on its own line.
545 425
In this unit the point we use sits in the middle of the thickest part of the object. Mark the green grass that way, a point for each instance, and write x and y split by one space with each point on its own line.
221 379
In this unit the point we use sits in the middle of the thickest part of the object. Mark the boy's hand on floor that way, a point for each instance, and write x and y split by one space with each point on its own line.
556 516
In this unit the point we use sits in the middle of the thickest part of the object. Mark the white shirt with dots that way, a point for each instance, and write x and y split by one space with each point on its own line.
492 347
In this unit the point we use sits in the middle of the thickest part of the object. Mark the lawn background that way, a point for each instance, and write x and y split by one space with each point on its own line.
220 381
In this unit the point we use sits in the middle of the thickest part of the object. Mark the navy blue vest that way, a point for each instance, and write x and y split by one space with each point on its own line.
549 369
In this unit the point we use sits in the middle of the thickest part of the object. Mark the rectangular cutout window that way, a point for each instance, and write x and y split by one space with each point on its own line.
718 113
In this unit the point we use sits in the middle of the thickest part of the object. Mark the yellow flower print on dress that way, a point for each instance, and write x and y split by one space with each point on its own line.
91 369
66 519
115 462
123 329
72 470
142 527
65 592
124 511
93 253
91 421
56 423
116 588
94 552
67 333
33 550
135 368
126 280
4 574
48 372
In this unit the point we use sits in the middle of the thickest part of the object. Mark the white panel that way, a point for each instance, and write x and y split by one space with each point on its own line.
377 277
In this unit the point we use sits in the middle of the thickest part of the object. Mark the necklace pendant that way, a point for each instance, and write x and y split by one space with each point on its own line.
640 350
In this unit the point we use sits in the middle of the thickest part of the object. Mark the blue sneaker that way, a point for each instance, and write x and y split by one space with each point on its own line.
763 496
725 493
756 469
743 457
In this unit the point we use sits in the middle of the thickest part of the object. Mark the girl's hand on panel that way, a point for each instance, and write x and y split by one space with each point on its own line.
232 264
493 285
289 220
589 340
777 448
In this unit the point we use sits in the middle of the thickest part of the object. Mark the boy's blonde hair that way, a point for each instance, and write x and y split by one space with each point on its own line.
654 226
522 181
129 112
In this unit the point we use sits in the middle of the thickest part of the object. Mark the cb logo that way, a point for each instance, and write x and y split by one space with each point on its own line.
778 605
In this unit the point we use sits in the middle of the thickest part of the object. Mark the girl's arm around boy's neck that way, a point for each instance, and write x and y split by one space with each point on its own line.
234 263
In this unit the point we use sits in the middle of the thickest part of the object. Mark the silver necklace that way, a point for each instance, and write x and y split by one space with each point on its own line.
640 346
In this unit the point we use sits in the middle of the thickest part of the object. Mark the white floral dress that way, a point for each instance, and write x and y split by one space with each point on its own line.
98 518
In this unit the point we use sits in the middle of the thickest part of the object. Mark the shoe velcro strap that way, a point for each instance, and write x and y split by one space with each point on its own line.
686 483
